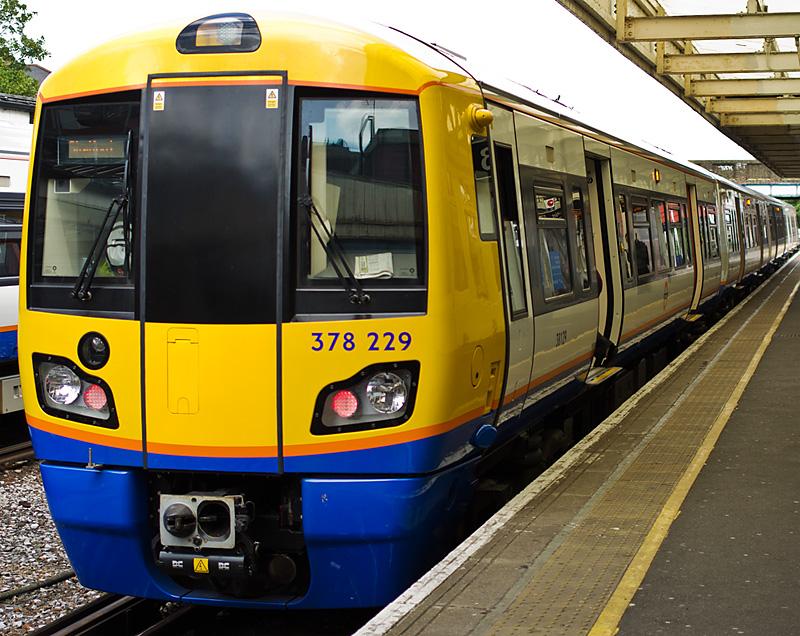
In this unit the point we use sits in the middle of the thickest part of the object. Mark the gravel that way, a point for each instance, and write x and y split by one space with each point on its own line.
30 552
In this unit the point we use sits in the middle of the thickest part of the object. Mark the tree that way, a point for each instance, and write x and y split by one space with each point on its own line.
17 49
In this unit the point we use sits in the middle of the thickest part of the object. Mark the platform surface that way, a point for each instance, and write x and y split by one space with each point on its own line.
680 514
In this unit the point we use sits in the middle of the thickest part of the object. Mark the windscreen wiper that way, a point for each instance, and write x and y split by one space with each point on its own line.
85 278
329 243
81 291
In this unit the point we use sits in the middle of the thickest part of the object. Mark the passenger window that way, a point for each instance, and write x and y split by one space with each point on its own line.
713 233
553 242
581 249
660 218
702 224
677 234
509 213
643 244
687 235
9 252
624 239
730 230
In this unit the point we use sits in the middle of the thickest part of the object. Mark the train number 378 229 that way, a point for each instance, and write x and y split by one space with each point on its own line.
387 341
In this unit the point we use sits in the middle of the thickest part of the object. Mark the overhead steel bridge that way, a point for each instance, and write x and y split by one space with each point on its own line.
734 61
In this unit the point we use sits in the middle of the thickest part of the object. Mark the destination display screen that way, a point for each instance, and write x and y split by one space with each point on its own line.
94 149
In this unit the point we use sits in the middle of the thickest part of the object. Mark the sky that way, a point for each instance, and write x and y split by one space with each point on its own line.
536 43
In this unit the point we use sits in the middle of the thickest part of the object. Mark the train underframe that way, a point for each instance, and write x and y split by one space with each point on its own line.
257 540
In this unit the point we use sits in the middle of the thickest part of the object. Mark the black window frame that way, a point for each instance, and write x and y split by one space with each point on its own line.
109 298
533 180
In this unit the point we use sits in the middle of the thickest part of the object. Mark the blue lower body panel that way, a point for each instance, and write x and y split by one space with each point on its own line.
101 516
367 539
8 345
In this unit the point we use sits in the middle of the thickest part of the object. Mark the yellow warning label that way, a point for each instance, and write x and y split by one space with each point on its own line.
272 98
158 100
201 566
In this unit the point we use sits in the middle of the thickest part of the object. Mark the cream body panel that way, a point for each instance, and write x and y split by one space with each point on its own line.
652 303
549 147
565 341
520 331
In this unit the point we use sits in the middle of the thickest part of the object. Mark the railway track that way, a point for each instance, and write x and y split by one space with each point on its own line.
121 616
16 452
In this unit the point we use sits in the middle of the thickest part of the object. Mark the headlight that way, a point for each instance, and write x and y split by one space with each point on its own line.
387 393
93 350
379 396
65 390
62 385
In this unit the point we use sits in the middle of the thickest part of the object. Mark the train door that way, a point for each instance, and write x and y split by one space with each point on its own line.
699 253
212 204
607 256
763 234
740 233
519 315
775 230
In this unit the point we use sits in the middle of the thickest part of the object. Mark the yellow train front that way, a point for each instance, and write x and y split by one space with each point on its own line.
257 382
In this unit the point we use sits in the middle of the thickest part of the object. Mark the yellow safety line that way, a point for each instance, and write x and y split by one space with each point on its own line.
608 621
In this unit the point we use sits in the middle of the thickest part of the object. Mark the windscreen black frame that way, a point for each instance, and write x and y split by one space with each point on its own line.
394 295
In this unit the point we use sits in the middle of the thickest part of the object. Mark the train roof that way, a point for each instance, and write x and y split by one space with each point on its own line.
416 57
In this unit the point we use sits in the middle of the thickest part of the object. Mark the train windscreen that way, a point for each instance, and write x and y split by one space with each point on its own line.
360 214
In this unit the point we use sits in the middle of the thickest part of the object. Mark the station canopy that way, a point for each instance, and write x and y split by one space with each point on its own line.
736 62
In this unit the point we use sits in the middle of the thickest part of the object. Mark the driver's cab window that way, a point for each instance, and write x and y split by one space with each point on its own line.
360 184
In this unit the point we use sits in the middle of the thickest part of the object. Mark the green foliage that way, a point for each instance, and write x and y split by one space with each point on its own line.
17 49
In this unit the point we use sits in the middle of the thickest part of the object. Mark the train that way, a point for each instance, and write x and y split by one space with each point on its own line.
290 284
15 144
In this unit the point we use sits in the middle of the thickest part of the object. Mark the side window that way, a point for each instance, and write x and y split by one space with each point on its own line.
484 192
581 248
677 233
643 243
553 240
509 215
624 239
713 232
732 231
687 235
703 227
746 229
659 210
9 252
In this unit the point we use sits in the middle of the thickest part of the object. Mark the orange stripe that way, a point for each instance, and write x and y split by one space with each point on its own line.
400 437
82 435
212 80
101 91
316 448
8 328
211 451
547 376
649 324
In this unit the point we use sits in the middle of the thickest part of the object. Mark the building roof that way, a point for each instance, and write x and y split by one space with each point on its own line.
17 102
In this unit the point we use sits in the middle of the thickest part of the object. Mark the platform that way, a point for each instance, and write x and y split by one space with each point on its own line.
679 514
